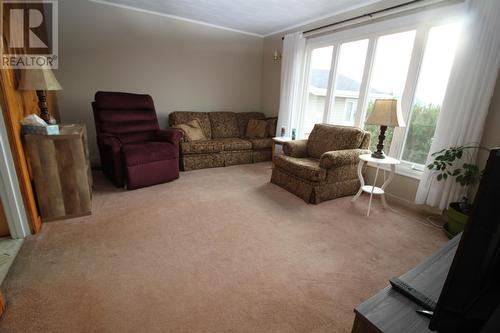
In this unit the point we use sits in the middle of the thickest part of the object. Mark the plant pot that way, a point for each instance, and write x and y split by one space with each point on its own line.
446 232
456 220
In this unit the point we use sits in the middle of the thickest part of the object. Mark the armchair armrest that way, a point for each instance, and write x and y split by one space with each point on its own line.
169 135
337 158
295 148
110 140
110 147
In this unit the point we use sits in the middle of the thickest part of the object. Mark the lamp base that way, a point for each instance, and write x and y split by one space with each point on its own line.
42 104
379 153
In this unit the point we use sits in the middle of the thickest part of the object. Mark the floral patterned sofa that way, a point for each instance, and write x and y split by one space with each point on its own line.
324 166
226 144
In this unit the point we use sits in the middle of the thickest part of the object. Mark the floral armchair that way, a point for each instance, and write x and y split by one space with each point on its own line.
324 166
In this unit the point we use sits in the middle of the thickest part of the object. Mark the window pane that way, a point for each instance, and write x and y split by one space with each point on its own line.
392 59
321 61
431 88
351 64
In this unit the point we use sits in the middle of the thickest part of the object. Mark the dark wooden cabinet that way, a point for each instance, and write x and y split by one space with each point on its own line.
60 171
390 312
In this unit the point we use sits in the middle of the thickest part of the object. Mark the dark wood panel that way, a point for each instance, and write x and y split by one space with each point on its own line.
2 303
15 106
4 226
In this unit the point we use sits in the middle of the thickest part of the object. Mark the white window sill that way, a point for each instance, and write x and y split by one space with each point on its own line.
404 169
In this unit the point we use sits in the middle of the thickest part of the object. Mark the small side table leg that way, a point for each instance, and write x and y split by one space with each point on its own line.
371 193
384 203
361 180
387 182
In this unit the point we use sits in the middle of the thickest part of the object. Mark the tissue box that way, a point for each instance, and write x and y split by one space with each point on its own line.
43 130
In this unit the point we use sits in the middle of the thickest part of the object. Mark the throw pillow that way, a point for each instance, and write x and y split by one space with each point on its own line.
256 129
192 130
271 127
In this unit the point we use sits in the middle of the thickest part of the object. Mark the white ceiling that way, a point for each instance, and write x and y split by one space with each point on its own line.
259 17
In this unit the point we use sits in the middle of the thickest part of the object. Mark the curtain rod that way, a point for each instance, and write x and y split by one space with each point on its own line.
409 5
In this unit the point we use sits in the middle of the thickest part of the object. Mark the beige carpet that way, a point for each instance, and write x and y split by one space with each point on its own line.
219 250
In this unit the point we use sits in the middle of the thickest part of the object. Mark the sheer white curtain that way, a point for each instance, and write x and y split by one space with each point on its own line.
294 46
468 96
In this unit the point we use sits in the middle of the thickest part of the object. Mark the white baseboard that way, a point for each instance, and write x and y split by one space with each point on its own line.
412 205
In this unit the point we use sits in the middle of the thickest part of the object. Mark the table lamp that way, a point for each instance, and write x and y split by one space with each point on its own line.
41 80
386 113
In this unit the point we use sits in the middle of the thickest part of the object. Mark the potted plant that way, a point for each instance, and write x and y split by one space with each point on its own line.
456 162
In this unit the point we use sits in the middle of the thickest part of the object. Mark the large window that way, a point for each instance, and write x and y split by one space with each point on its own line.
431 88
346 73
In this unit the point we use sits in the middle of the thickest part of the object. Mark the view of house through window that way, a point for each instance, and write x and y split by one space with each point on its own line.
386 72
320 64
350 66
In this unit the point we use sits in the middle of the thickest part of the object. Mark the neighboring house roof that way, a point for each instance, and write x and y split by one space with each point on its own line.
319 83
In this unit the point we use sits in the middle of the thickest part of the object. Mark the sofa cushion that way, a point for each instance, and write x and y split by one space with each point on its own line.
271 127
259 144
261 155
224 125
183 117
202 161
192 130
201 147
232 144
244 117
306 168
256 129
237 157
215 146
326 137
147 152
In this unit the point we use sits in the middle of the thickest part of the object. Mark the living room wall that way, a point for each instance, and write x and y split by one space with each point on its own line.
184 66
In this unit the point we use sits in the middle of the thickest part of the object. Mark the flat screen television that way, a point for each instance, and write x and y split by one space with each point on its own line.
471 293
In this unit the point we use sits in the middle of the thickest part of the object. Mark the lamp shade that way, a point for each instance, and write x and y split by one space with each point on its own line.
386 112
38 79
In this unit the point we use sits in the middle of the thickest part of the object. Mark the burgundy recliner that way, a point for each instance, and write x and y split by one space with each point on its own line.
134 150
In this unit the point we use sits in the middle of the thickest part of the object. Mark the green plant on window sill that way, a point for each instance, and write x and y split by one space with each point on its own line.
456 162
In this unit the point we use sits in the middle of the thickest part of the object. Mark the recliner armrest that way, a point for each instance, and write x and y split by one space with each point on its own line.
337 158
169 135
109 139
295 148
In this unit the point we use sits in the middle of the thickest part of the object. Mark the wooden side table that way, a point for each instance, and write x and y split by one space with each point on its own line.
372 189
278 140
60 169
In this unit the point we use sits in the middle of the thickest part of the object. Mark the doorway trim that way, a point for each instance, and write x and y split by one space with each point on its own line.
9 188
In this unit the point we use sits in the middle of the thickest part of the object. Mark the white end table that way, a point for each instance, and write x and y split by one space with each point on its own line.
372 189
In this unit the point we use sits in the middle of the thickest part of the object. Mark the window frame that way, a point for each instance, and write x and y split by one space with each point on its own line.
421 23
